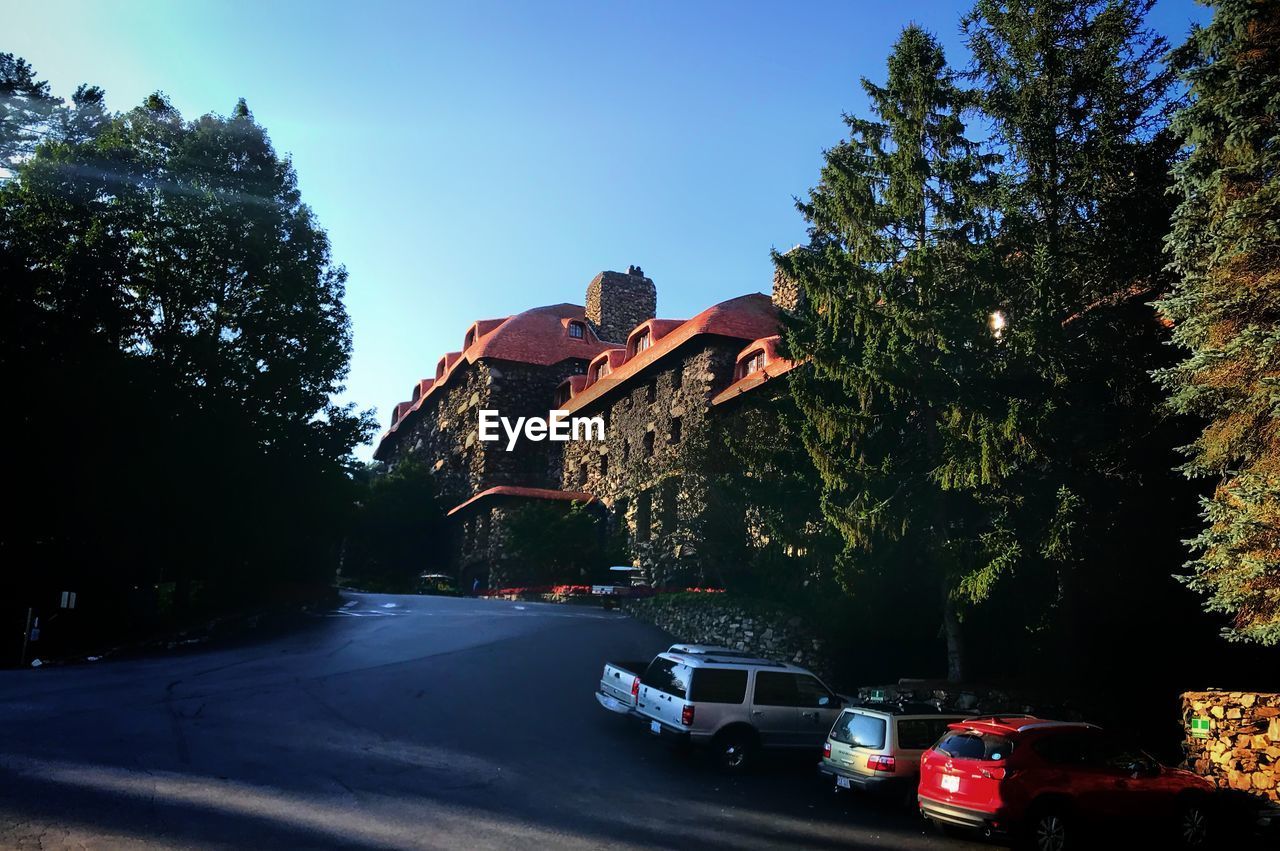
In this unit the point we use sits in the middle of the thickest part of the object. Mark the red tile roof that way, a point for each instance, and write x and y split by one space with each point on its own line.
539 336
420 389
657 328
748 317
524 493
774 365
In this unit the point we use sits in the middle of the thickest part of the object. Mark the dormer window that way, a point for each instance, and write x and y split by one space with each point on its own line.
562 395
643 341
602 369
470 338
576 331
440 369
752 363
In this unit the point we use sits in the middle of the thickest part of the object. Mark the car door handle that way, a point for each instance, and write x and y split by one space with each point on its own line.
757 712
813 715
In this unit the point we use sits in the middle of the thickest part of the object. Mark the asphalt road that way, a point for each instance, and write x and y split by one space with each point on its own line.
394 722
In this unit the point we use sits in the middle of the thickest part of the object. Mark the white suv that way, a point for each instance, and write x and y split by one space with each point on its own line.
734 703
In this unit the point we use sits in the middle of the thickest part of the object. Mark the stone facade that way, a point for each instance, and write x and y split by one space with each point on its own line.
786 293
618 302
1233 738
658 395
772 633
647 471
445 433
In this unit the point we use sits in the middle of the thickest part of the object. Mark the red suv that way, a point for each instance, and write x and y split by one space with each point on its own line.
1044 781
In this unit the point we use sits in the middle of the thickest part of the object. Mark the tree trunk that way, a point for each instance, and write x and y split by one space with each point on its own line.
955 637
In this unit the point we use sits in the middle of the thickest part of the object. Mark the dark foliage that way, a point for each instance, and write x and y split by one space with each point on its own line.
173 333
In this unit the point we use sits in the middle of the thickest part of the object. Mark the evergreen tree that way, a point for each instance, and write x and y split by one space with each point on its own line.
1226 309
26 106
895 327
1077 99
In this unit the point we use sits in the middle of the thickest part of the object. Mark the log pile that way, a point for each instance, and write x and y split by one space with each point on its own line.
1233 739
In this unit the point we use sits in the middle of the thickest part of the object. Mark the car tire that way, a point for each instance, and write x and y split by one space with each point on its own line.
734 751
1195 824
1049 828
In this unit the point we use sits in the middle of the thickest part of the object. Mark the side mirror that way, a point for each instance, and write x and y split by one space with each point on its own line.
824 701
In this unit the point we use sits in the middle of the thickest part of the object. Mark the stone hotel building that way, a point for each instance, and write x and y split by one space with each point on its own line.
657 383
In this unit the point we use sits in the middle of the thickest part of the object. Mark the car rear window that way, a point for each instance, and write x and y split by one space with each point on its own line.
718 685
918 734
970 744
667 675
859 730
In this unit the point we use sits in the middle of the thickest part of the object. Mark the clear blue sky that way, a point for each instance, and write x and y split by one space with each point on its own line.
473 159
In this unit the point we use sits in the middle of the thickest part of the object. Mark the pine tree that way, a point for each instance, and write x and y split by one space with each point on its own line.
1226 309
26 105
1077 98
895 327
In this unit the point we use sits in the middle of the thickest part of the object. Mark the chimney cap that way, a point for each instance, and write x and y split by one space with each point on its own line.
635 270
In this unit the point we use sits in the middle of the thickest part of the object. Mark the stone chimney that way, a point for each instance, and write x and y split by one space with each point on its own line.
618 302
786 293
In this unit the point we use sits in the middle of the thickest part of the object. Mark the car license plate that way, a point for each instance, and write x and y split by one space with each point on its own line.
655 728
843 782
950 782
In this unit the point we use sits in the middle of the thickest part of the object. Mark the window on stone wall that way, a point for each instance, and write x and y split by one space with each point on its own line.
753 363
482 531
648 444
582 474
651 392
626 449
644 517
677 430
668 507
579 367
620 513
604 466
677 378
576 330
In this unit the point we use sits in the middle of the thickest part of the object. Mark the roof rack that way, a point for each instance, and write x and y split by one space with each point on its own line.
1000 717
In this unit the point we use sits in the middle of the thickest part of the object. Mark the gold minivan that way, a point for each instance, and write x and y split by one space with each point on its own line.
877 748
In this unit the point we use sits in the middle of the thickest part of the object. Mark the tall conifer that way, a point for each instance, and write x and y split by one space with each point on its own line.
896 326
1226 309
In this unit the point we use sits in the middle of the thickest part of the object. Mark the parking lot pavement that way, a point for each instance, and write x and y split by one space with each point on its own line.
389 722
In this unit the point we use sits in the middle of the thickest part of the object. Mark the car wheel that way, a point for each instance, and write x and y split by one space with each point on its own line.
1049 829
1194 825
734 751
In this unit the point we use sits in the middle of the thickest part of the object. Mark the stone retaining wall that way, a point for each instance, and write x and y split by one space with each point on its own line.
1239 746
772 633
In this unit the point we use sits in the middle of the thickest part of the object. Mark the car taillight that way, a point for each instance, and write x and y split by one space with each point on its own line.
997 773
686 715
826 749
880 763
635 687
